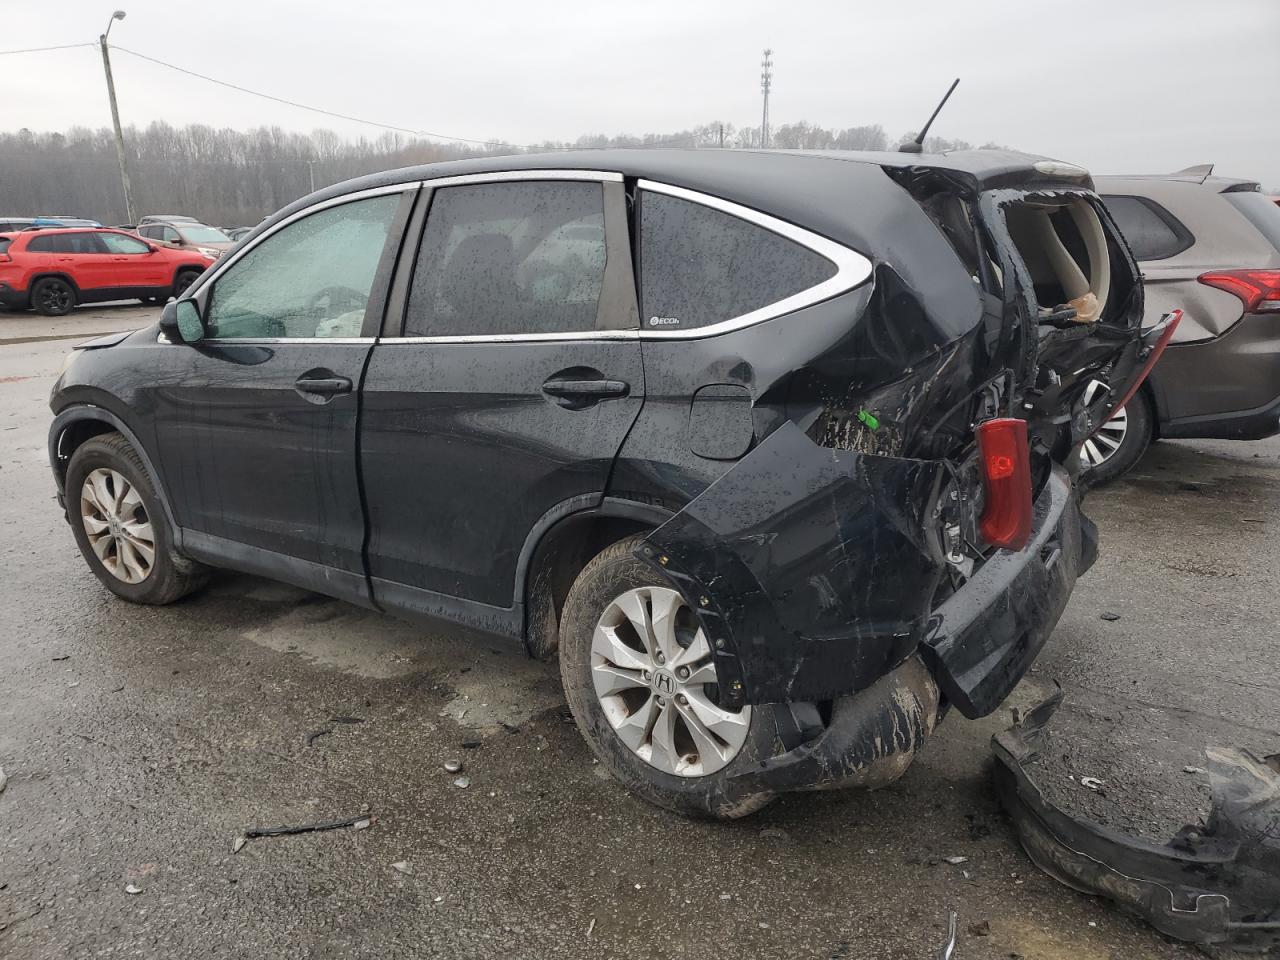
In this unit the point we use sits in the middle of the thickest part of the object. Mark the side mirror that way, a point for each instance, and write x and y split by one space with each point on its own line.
152 248
180 321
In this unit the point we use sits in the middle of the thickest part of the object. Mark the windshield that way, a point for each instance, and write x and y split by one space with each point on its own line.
1260 211
199 233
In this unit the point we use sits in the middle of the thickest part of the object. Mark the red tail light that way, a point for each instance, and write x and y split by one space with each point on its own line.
1006 473
1259 289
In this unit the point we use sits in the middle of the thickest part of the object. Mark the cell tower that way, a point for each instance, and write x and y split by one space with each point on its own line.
766 82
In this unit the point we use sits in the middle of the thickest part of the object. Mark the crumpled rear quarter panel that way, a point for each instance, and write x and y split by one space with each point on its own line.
809 566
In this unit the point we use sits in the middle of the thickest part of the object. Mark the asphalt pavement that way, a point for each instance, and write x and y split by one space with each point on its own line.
138 743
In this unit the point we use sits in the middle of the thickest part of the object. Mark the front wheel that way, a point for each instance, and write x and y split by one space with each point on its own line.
641 683
120 527
53 297
1120 443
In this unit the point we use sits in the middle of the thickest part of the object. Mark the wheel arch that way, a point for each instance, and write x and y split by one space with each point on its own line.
52 275
75 425
557 550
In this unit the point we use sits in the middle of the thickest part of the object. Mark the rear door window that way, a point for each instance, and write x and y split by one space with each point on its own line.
1260 211
700 266
510 259
1151 231
4 244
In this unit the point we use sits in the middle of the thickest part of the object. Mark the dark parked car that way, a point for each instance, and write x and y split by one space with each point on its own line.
775 452
1210 245
52 270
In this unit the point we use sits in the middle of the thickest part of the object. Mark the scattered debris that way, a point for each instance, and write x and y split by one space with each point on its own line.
59 659
981 928
132 889
472 744
774 833
948 947
316 735
346 719
726 896
237 844
462 782
591 926
1110 617
453 766
438 900
510 727
74 683
1190 769
402 866
3 780
364 824
302 828
1216 885
1093 783
955 861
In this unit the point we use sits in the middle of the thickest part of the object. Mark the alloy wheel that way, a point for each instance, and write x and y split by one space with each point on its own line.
55 297
1100 448
653 673
117 525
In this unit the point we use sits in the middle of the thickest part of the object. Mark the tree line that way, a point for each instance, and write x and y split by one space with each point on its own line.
231 177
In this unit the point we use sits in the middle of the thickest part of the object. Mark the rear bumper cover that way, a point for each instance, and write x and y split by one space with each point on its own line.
12 298
1217 885
812 576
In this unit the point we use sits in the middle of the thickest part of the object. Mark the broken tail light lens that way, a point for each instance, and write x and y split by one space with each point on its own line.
1006 474
1259 290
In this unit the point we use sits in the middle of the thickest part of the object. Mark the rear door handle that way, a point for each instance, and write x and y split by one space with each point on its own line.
589 390
321 389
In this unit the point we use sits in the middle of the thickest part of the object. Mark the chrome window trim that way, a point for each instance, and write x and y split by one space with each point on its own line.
852 268
584 335
465 179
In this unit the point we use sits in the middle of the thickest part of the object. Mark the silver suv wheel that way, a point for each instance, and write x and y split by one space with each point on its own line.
117 525
653 674
1099 448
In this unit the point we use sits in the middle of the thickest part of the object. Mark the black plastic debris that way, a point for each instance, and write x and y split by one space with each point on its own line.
1219 885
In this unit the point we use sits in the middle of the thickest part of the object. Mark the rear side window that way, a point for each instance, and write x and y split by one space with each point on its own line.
1262 212
41 244
4 244
66 243
510 258
700 266
1151 231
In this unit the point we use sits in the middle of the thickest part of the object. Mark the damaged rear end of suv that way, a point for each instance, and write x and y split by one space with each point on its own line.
874 517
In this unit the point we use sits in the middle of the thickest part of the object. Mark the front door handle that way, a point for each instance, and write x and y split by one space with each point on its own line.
588 390
321 389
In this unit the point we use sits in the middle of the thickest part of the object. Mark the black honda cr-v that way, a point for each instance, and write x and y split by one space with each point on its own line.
773 451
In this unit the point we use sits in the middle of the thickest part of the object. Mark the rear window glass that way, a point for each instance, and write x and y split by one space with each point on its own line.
4 244
1262 212
700 266
1151 231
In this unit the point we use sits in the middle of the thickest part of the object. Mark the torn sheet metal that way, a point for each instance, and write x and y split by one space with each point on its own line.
810 568
1216 886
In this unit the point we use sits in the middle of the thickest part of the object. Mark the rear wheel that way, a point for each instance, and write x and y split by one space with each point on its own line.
1120 443
120 527
640 680
53 297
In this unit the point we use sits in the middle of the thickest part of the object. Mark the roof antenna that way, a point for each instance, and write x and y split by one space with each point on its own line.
917 145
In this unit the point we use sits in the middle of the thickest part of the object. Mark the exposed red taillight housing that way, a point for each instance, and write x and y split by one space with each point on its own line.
1006 475
1258 289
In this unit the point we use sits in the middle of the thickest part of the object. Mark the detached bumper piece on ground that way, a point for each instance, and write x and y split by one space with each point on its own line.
1219 886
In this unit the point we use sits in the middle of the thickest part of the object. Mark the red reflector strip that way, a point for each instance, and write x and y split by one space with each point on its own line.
1006 473
1173 318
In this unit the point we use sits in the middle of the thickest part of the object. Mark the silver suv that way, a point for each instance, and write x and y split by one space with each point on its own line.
1211 246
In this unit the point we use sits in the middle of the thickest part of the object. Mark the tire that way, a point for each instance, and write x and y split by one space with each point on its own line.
184 279
114 470
1139 429
53 297
612 575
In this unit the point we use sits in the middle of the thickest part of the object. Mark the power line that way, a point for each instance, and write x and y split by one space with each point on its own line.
65 46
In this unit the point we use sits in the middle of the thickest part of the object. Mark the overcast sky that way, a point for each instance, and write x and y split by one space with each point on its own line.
1119 86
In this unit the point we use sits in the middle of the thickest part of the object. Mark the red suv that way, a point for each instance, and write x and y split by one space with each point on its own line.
53 270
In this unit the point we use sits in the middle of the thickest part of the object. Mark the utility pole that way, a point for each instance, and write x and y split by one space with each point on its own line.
766 82
722 136
311 170
115 119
